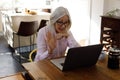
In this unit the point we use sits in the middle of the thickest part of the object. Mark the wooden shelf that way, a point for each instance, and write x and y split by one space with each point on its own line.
110 31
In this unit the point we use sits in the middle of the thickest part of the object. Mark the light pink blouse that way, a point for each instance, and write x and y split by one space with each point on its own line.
62 44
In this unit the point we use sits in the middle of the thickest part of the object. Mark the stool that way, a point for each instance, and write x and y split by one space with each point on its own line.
26 29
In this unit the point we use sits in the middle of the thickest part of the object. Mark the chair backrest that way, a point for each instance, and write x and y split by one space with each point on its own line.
27 28
17 18
42 24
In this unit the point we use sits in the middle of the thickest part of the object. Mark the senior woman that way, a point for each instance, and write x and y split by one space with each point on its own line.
53 39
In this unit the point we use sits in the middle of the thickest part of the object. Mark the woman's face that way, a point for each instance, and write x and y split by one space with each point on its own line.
62 24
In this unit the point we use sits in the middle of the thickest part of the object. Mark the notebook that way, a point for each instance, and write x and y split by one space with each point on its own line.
78 57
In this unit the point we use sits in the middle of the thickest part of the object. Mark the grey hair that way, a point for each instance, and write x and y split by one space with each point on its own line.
57 14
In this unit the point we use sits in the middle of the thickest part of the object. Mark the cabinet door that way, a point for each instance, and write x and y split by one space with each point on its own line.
110 32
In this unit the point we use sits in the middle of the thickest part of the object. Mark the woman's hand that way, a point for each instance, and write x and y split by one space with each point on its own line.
51 40
61 35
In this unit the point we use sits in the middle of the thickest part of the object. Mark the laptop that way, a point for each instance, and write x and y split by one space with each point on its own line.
78 57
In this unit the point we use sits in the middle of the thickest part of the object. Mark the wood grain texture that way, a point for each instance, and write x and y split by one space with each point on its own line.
14 77
45 70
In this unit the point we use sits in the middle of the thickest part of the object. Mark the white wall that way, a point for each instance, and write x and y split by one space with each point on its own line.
0 23
111 5
96 12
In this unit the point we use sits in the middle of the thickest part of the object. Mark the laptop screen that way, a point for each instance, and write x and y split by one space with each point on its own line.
82 56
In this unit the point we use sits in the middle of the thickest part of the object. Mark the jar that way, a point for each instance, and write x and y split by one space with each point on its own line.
113 59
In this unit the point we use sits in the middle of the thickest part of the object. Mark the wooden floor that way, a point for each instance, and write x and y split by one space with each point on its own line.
8 65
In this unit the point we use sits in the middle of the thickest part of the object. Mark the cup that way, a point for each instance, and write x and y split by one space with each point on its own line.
113 59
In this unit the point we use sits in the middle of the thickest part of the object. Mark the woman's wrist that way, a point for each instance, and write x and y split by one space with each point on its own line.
49 51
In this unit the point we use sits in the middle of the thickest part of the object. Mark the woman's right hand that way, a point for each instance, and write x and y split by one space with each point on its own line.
51 40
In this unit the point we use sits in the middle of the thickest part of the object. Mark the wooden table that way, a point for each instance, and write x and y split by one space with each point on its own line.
13 77
45 70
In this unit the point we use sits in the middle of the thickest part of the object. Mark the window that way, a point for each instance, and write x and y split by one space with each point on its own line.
6 4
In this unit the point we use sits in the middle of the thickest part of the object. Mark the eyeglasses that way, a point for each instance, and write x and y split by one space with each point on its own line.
62 23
